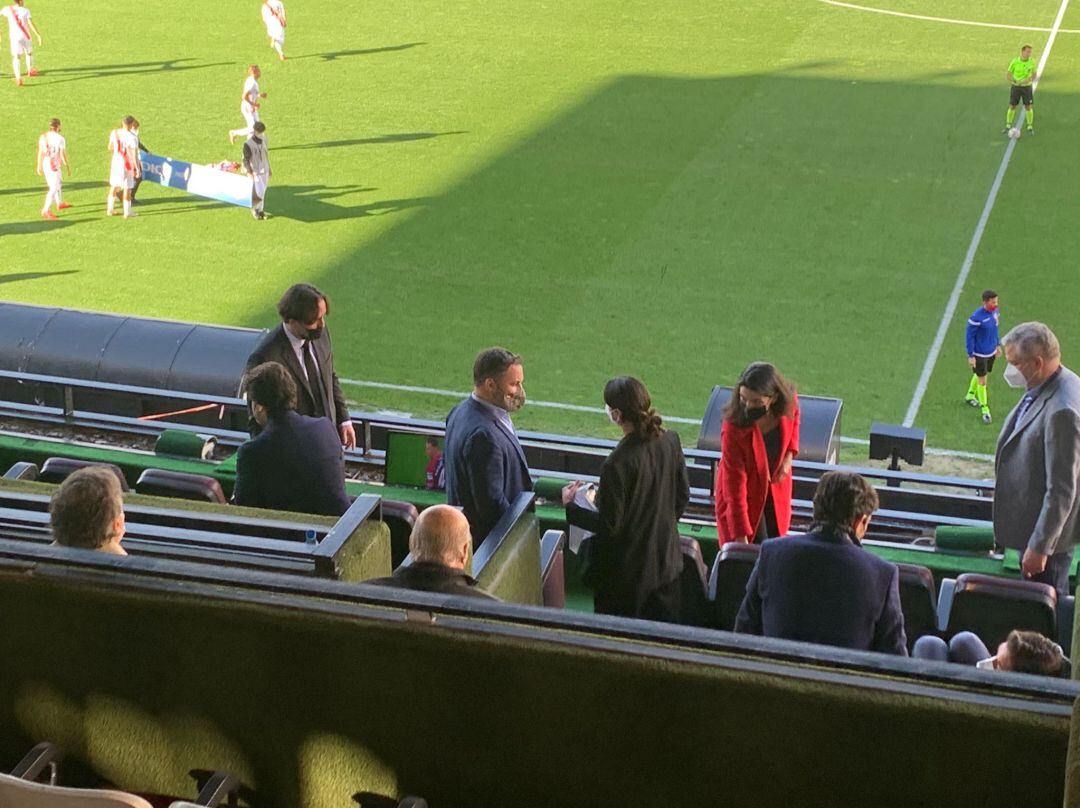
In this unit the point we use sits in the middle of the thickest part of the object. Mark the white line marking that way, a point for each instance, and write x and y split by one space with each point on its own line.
969 259
949 20
557 405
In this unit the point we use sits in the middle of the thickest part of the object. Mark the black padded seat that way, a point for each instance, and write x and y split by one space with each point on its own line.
694 589
400 518
918 601
727 581
992 607
22 471
58 469
180 485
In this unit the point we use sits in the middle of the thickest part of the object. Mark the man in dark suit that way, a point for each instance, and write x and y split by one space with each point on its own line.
439 545
484 462
295 462
302 345
822 587
1037 465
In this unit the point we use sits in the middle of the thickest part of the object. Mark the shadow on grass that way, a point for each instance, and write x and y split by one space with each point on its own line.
40 189
33 276
312 203
344 54
69 74
402 137
31 228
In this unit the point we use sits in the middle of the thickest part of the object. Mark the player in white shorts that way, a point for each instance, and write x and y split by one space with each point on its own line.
51 158
273 14
249 104
20 26
125 167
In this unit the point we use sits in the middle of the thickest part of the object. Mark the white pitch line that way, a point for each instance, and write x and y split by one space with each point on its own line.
976 239
558 405
949 20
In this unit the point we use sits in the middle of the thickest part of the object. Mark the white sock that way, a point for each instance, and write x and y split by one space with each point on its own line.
127 205
17 68
29 62
277 47
110 204
50 197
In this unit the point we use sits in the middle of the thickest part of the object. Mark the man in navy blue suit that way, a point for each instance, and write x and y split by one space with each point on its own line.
823 587
295 463
484 462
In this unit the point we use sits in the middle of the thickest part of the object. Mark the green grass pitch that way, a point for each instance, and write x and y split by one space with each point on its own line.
669 189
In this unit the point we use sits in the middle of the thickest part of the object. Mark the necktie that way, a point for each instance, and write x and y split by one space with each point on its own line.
314 380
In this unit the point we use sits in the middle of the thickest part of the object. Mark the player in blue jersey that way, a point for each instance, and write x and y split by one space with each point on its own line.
982 349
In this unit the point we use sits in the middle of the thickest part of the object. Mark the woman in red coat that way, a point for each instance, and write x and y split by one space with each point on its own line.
758 440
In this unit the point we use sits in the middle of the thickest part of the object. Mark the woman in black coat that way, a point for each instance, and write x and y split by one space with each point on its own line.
635 560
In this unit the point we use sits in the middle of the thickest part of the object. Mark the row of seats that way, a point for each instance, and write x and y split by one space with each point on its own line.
989 606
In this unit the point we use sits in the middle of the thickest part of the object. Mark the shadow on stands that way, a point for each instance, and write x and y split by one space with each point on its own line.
332 55
401 137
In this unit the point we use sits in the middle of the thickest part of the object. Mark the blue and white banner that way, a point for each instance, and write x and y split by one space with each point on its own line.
206 181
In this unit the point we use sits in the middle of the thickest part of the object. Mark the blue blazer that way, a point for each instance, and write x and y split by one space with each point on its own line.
294 464
485 466
824 588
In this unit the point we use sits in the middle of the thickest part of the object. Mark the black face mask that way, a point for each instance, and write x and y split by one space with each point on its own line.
754 413
314 333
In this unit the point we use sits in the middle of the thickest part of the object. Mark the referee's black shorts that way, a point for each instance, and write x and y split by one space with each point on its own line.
1018 94
983 365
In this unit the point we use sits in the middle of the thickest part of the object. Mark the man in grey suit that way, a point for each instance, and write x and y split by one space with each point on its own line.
1037 490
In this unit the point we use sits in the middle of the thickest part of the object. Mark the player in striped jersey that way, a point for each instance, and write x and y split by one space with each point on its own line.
51 158
273 14
983 348
20 26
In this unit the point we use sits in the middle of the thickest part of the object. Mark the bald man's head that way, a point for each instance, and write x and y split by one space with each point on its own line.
441 535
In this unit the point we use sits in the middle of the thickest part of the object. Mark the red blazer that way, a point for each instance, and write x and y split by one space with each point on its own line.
743 478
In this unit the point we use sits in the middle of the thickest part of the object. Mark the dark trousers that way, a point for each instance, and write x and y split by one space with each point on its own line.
766 526
1057 571
964 649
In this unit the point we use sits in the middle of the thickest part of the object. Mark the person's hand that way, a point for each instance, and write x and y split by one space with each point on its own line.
39 171
1033 564
971 362
262 95
570 490
741 540
348 434
784 470
998 351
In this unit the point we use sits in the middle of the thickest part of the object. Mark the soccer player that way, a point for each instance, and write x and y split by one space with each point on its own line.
139 144
19 28
273 14
982 348
125 166
51 158
1021 76
249 104
257 165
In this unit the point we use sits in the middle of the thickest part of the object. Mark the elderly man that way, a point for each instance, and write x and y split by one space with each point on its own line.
87 512
1037 465
439 546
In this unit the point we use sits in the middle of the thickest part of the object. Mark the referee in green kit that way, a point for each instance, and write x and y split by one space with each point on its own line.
1021 76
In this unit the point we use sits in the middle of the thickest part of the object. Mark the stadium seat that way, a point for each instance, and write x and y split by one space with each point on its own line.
22 471
22 788
992 607
727 581
400 518
162 483
58 469
695 601
918 601
552 568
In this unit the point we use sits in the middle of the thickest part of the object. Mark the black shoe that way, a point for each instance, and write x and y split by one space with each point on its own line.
1031 131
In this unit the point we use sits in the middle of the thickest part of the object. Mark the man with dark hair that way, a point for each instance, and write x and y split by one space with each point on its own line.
435 473
302 344
257 166
1022 652
295 463
981 340
439 546
823 587
485 464
87 511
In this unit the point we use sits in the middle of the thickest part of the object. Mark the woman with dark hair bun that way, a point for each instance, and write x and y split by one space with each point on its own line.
759 438
635 560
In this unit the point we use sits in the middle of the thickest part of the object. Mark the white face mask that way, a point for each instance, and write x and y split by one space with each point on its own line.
1014 378
611 415
988 663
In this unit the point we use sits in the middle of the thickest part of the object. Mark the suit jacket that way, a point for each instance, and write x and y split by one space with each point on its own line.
275 347
1037 472
428 576
743 478
643 492
825 588
485 466
294 464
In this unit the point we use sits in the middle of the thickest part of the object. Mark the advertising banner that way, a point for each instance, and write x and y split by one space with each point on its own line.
206 181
